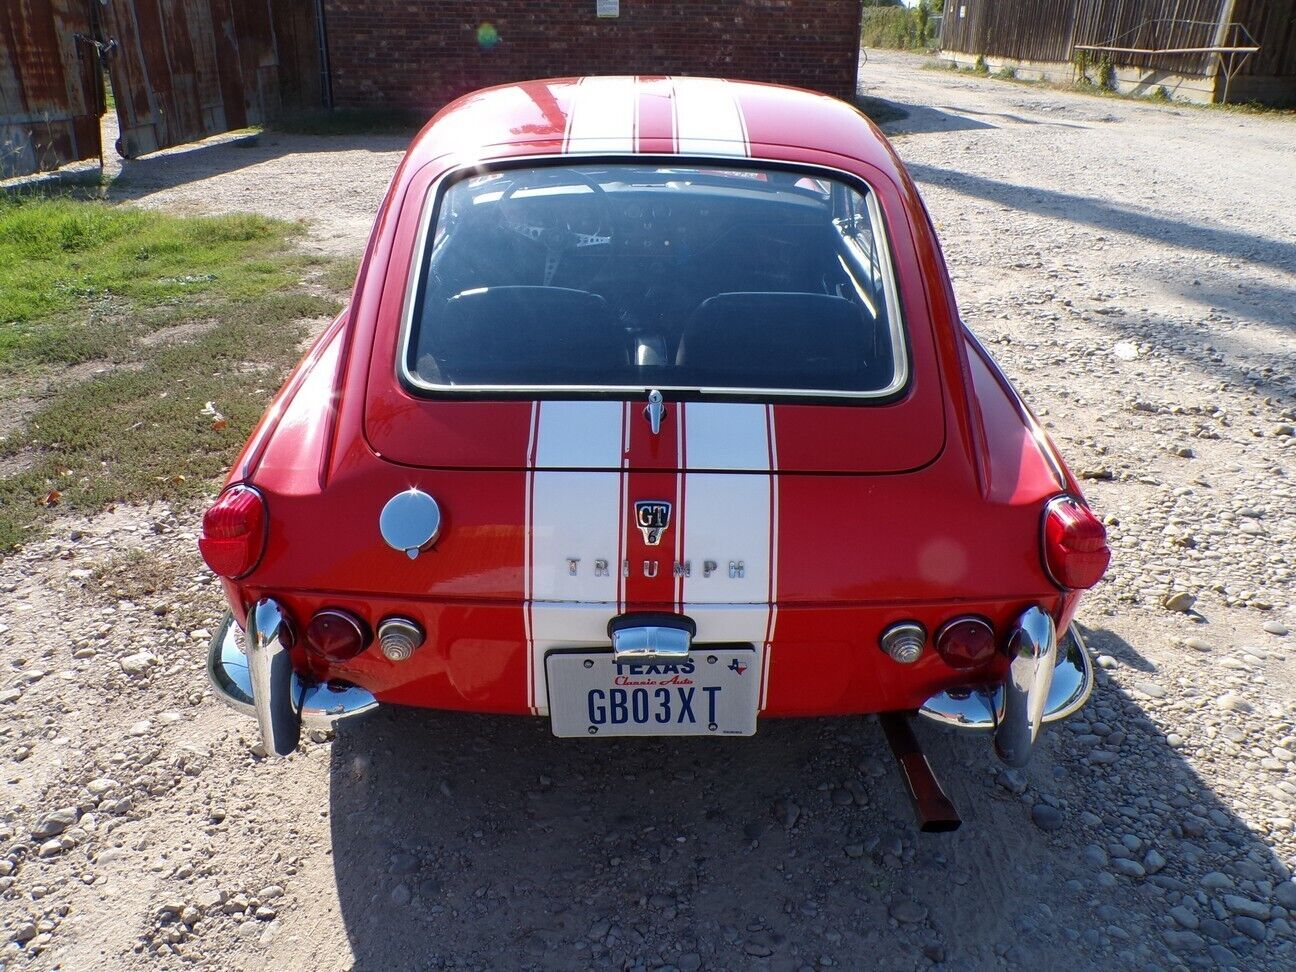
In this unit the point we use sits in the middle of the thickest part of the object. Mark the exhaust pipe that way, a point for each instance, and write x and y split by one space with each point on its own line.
935 812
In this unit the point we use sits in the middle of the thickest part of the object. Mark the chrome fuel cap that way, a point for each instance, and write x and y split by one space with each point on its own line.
410 522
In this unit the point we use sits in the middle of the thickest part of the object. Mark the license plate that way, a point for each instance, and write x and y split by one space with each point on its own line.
711 692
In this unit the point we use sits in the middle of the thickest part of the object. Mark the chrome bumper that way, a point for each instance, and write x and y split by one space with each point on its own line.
261 683
1047 681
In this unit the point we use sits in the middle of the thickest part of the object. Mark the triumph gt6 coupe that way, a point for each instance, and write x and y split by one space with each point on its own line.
652 414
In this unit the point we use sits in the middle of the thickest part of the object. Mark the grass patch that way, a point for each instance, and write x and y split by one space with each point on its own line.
352 121
339 275
85 281
60 256
135 575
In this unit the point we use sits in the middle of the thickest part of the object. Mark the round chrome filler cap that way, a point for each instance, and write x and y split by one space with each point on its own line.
410 522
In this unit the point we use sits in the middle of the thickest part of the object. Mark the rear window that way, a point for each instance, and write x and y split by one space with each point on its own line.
606 277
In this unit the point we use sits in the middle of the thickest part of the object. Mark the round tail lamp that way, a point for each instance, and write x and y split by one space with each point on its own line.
337 635
234 532
904 641
965 642
1075 544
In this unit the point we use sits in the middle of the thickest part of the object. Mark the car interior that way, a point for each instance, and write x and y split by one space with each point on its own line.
644 276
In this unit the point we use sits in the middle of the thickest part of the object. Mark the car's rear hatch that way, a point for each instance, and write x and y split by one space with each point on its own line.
461 433
618 514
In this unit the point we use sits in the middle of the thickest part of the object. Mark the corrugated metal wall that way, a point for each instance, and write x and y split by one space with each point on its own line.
1047 30
1273 23
51 94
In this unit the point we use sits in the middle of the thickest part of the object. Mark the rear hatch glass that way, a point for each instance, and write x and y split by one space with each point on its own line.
765 289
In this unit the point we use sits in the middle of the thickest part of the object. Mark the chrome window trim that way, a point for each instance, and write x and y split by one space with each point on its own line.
895 318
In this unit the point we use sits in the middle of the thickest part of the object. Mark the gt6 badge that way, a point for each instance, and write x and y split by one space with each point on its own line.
652 517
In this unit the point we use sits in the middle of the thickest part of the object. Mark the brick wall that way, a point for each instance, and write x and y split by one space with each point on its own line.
423 53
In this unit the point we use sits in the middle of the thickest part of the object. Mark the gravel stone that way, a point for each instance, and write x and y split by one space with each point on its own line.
1245 906
1046 817
137 664
909 912
1250 927
1285 895
55 822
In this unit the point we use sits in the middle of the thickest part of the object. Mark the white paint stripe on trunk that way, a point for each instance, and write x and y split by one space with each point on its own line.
574 521
681 464
727 524
603 116
708 118
727 435
565 625
623 510
579 435
575 486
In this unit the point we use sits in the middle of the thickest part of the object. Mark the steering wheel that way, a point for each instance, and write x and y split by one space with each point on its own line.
567 235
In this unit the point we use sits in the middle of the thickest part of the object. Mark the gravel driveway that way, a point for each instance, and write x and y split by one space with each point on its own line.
1132 266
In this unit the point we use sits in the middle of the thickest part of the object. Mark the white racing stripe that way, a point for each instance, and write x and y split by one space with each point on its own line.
602 116
574 498
727 435
579 435
708 118
730 531
577 508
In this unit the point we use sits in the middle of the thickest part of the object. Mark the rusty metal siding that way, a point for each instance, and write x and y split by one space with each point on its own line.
51 94
1273 24
186 69
1046 30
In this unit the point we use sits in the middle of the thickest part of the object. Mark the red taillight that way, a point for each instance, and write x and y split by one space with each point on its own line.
337 635
234 532
965 642
1075 544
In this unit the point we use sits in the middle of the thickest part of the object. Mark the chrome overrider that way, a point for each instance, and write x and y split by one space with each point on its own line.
261 682
1047 681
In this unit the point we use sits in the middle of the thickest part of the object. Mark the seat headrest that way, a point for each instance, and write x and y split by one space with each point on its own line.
777 340
516 335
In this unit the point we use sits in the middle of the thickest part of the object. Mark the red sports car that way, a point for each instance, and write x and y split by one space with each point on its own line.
652 413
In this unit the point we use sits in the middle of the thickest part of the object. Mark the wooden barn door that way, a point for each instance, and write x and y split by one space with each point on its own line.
185 69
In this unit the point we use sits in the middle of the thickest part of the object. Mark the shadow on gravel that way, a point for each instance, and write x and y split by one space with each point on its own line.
165 170
1020 119
483 842
1266 251
923 119
1103 642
